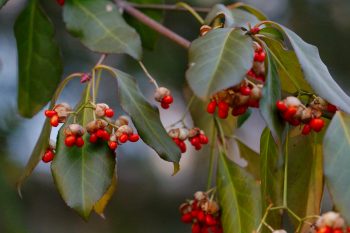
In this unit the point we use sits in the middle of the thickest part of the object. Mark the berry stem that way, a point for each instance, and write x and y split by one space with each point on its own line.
182 119
191 10
285 182
151 79
264 218
211 158
167 7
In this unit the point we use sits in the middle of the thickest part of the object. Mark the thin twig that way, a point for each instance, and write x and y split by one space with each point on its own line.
153 24
167 7
151 79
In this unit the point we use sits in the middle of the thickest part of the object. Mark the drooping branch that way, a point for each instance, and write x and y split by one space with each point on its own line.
153 24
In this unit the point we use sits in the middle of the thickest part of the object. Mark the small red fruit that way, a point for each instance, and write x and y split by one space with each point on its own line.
281 106
134 137
109 112
54 121
222 114
326 229
205 229
291 111
195 141
211 107
112 145
48 156
182 146
60 2
186 218
331 108
168 99
123 138
164 105
306 129
203 139
198 147
105 135
50 113
253 103
294 122
337 230
255 30
239 110
100 133
259 57
93 138
223 106
201 216
70 141
210 220
251 73
317 124
245 90
79 142
196 228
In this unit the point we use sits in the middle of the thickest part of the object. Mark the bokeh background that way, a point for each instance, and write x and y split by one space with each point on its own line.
147 196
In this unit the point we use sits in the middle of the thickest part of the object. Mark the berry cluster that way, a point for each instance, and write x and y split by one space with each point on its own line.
331 222
195 136
58 114
246 94
203 213
296 113
164 97
74 135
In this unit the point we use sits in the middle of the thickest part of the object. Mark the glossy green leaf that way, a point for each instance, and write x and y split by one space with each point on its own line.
336 147
238 195
305 175
101 28
82 175
271 33
2 3
243 118
316 72
39 60
271 177
101 205
148 36
40 147
271 94
146 118
226 16
219 60
242 18
251 157
261 16
289 69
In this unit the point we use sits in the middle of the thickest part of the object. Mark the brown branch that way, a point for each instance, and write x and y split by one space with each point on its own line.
167 7
153 24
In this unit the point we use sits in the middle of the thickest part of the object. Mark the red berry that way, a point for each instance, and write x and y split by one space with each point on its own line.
317 124
222 114
134 137
79 142
100 133
60 2
201 216
261 78
196 228
205 229
211 107
70 141
259 57
337 230
195 141
326 229
306 129
50 113
203 139
294 122
223 106
255 30
251 73
48 156
291 111
177 141
194 213
54 121
331 108
168 99
93 138
198 147
210 220
253 103
182 146
245 90
240 110
109 112
186 218
105 135
348 229
112 145
281 106
123 138
164 105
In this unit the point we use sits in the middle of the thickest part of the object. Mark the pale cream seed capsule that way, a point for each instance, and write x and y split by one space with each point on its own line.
292 101
100 109
74 129
330 218
183 134
174 133
124 129
200 196
122 120
63 110
259 67
339 223
211 207
279 231
160 93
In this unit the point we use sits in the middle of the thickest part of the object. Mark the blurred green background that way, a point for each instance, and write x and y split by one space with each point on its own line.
147 196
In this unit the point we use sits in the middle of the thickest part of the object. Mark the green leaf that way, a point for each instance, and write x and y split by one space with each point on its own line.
40 147
243 118
224 12
289 69
251 10
336 147
82 175
101 28
252 158
305 175
316 72
219 60
39 61
101 205
2 3
271 177
242 18
148 36
146 119
271 33
271 94
238 195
